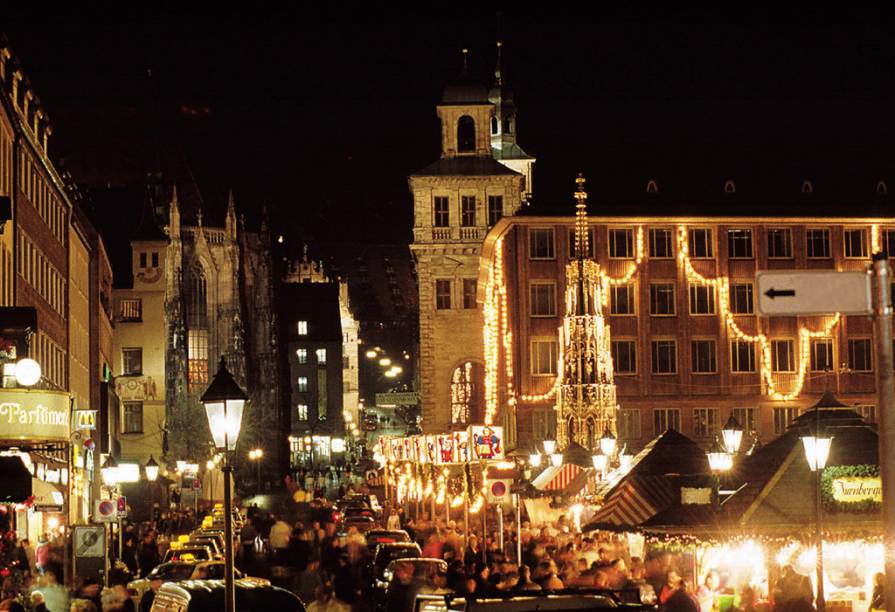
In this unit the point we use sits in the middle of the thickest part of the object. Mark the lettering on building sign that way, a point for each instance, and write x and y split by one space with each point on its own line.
854 490
14 414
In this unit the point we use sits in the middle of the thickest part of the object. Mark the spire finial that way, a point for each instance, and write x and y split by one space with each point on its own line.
231 201
465 61
199 217
497 69
581 238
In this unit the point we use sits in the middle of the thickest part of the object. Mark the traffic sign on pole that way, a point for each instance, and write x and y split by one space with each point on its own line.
812 292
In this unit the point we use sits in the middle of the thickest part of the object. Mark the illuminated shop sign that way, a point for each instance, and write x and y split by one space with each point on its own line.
34 415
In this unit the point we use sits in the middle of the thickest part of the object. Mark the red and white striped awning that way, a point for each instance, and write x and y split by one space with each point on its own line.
556 478
636 501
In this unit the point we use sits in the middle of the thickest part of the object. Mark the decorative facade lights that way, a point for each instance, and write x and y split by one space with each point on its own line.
498 337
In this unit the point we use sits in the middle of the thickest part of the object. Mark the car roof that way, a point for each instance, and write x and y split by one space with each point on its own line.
375 532
203 595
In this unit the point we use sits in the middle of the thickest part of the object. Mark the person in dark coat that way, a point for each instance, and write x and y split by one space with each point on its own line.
148 555
681 599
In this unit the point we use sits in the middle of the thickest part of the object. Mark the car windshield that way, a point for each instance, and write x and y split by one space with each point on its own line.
358 512
172 572
390 553
183 553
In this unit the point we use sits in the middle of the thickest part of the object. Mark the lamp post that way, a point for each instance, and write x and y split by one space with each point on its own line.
224 403
720 461
151 468
109 473
817 450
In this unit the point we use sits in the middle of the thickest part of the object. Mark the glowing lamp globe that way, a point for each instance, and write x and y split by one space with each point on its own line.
224 404
817 450
151 468
607 443
732 435
556 459
549 446
27 372
535 459
719 459
600 460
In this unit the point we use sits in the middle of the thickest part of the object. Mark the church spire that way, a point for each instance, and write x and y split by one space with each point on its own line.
581 234
230 221
498 80
174 214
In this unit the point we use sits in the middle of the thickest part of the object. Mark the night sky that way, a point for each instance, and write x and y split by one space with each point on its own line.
323 117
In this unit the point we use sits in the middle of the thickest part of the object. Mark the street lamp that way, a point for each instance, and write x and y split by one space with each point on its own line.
600 460
224 403
817 451
255 455
719 459
27 372
535 459
151 468
607 443
109 472
732 435
549 446
556 459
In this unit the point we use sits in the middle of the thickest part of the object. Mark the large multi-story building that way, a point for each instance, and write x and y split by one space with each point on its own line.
482 176
202 291
687 344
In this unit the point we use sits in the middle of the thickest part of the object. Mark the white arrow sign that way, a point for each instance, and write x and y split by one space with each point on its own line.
812 292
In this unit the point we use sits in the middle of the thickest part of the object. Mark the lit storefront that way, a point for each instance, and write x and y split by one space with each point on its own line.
35 431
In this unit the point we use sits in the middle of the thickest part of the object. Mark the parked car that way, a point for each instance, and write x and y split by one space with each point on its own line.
386 553
188 553
421 572
375 537
565 600
182 570
367 499
208 596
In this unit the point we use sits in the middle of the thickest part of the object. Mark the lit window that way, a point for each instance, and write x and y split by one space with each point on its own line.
302 384
321 356
197 351
302 412
302 355
302 328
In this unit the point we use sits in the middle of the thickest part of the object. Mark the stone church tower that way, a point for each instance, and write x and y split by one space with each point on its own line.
482 175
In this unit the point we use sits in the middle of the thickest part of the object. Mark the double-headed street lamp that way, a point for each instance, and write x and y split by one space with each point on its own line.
817 450
224 403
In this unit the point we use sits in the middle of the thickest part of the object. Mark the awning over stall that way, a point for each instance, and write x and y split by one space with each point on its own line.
637 500
556 478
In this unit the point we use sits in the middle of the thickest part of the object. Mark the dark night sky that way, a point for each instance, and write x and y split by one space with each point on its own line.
323 116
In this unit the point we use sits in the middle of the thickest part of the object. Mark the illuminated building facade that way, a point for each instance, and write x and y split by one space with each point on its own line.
482 176
688 347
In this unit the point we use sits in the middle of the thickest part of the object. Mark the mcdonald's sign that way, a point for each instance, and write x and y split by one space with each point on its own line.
85 420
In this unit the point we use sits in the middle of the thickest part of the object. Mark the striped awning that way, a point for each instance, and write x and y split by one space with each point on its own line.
556 478
636 501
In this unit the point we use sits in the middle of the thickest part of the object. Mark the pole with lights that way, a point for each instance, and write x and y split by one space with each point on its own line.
151 468
817 449
224 403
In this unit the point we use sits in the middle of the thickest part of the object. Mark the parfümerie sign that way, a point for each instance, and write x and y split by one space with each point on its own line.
854 489
34 415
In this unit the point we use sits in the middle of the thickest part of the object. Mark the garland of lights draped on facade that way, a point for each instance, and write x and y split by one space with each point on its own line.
585 402
498 338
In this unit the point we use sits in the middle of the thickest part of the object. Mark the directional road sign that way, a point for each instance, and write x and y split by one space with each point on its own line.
812 292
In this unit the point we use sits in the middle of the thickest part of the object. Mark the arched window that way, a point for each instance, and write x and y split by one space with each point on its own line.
197 328
807 187
652 186
507 125
466 134
882 188
494 125
591 432
467 393
730 186
573 429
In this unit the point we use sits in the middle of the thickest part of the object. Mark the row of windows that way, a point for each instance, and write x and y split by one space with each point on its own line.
444 294
6 275
5 163
700 243
704 360
43 276
707 422
302 356
468 214
148 259
52 359
42 196
542 299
